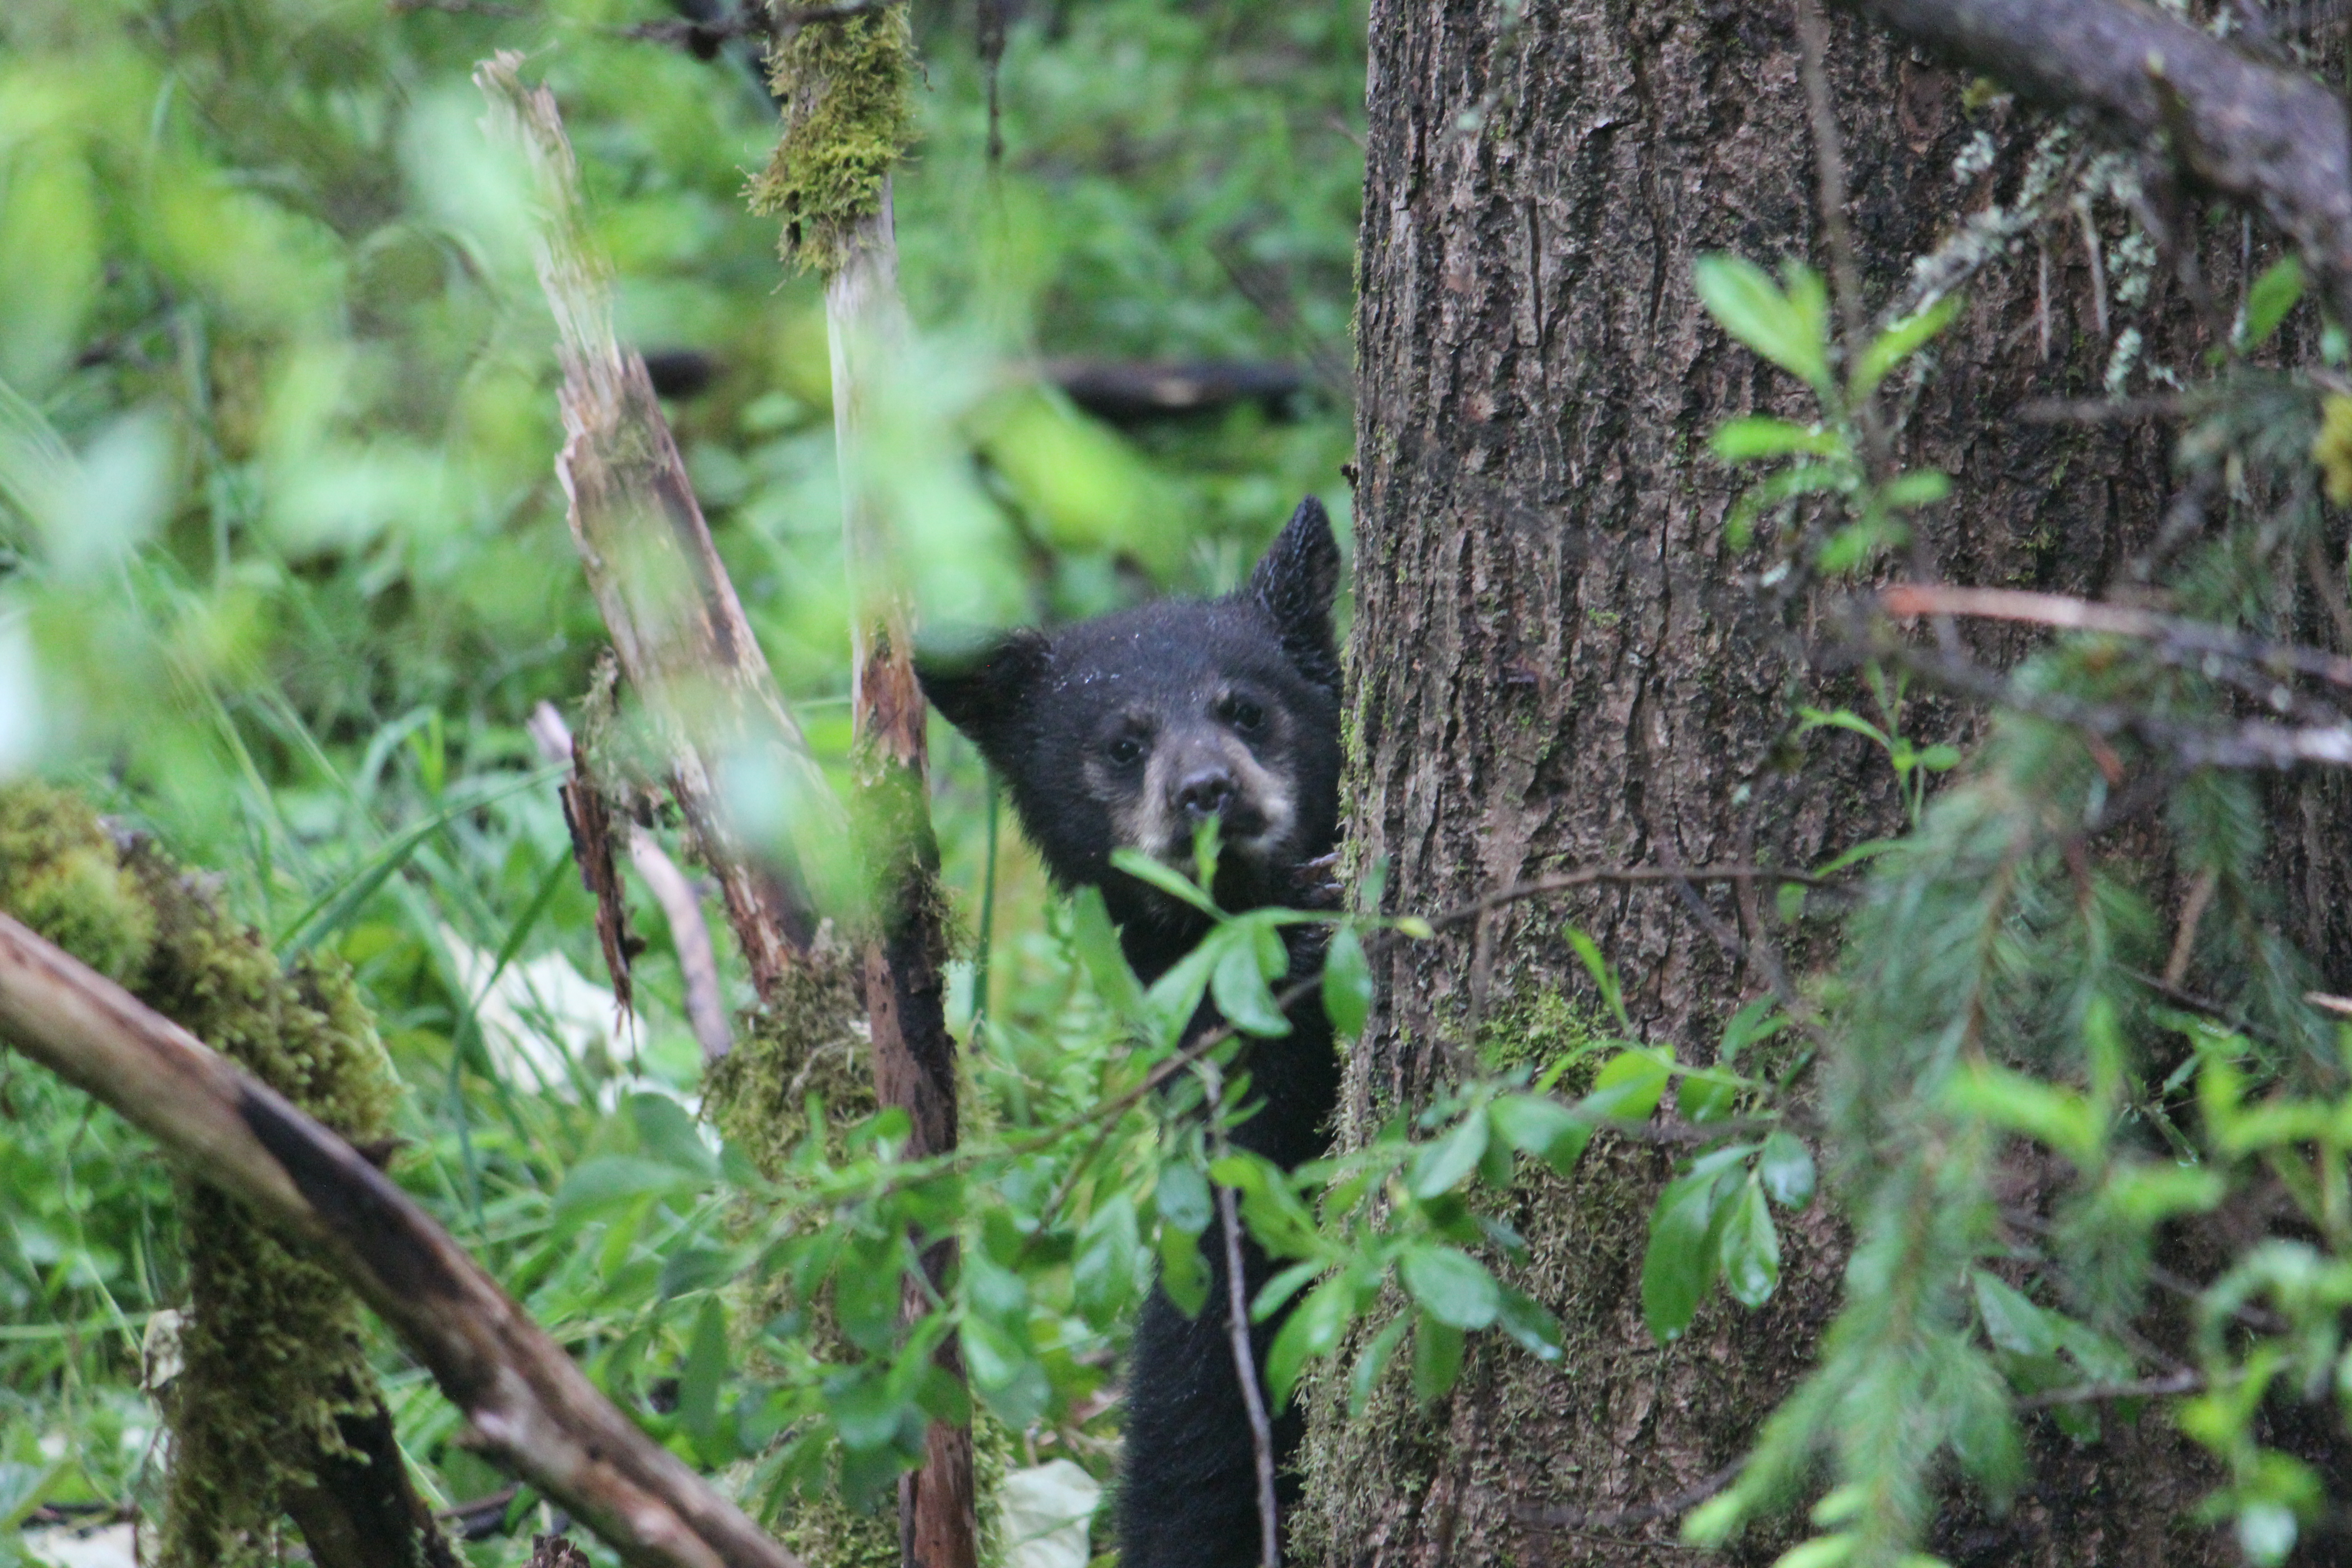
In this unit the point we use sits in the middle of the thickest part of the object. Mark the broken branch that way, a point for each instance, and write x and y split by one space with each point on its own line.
528 1408
676 626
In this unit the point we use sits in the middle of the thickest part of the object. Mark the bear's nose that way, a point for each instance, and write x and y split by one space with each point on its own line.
1205 793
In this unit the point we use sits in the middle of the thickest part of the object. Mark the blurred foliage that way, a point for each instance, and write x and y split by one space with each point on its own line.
283 569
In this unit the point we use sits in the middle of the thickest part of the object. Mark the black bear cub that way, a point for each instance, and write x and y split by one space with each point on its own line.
1127 733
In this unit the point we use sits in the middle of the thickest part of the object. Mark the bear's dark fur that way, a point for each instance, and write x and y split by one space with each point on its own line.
1123 733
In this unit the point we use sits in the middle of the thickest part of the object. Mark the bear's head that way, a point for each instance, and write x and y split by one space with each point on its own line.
1129 731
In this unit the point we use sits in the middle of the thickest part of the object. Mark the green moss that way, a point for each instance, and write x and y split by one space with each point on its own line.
272 1353
1537 1030
807 1041
61 874
847 91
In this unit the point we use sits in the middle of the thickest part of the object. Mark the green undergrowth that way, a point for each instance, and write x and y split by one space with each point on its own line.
270 1349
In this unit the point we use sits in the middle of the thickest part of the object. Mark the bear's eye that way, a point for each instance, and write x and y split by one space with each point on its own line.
1244 714
1125 751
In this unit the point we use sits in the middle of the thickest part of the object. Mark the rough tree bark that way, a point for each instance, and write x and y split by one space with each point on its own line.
1557 664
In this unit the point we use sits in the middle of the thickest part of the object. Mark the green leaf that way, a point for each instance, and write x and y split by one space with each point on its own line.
1604 976
1842 718
1920 486
866 1296
667 1131
1313 1331
1899 342
1282 1287
1182 1197
1436 1358
1540 1125
2147 1193
1754 435
1627 1087
2011 1321
598 1186
1238 983
1705 1096
1165 878
706 1368
1004 1370
1786 484
1346 983
1786 1169
1371 1363
1451 1285
1095 940
1790 330
1439 1167
2060 1117
1530 1322
1855 545
1747 1249
1183 1273
1681 1261
1103 1280
2275 293
1760 1020
23 1487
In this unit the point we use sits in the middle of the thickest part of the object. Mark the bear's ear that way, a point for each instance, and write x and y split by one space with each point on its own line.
1295 582
982 687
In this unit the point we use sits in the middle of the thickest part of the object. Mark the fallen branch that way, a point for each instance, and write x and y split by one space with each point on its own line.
528 1407
2264 134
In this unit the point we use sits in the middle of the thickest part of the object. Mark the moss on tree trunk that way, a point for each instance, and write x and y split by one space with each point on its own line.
274 1409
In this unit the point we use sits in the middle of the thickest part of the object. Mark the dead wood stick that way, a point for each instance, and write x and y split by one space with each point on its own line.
676 626
1246 1368
1908 599
906 949
697 961
528 1407
2268 135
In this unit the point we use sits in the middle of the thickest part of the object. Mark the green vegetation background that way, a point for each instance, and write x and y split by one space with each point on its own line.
284 568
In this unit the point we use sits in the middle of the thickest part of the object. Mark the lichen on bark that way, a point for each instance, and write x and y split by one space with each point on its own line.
847 89
271 1354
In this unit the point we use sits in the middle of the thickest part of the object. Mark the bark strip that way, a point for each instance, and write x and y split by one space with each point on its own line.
2268 135
528 1408
676 626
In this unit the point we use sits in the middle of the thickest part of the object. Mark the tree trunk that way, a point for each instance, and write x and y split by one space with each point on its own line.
1557 664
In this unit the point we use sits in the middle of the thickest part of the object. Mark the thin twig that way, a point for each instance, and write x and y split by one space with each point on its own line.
1829 170
1624 1519
1906 599
2093 1392
1246 1368
2101 410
